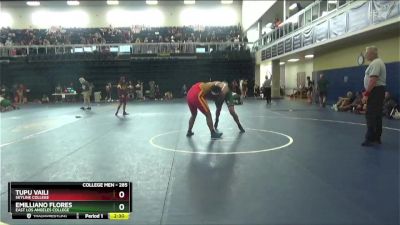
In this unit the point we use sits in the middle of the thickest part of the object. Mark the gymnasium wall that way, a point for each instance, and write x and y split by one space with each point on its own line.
166 13
355 80
291 70
341 63
42 77
346 56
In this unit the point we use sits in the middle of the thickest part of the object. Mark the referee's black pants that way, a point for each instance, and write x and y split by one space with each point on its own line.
374 114
267 94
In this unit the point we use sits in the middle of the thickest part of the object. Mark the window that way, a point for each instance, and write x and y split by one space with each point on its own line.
87 49
308 17
78 50
114 49
315 12
342 2
200 50
323 6
125 48
301 20
332 4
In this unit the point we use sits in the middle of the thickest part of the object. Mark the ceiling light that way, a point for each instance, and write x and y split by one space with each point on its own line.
73 3
333 2
293 60
293 6
151 2
112 2
309 56
282 63
33 3
226 1
189 2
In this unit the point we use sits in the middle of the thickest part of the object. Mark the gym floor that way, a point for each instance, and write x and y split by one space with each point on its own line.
296 163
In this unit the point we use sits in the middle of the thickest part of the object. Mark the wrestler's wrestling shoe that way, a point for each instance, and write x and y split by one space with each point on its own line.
215 135
189 134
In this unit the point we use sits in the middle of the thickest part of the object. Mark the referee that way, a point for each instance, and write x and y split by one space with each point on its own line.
267 88
374 84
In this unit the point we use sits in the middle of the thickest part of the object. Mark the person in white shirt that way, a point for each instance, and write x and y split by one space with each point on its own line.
267 89
374 95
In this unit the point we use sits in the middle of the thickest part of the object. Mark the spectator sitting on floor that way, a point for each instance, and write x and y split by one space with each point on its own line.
358 106
343 101
6 104
5 91
361 109
388 105
353 105
168 95
45 99
301 91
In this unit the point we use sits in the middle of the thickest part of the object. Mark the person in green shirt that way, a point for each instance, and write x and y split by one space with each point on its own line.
229 98
322 89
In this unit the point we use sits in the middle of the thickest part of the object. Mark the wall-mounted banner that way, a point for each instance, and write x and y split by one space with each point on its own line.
308 36
288 44
268 53
281 49
297 41
385 9
359 17
274 51
321 32
262 55
337 25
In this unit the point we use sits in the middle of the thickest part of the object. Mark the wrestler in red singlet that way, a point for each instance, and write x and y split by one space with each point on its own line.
196 100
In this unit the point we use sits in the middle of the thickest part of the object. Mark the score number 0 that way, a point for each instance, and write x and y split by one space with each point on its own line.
121 194
121 206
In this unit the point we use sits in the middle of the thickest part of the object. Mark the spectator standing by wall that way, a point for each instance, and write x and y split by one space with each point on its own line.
235 86
310 88
58 90
123 95
108 91
184 90
322 89
256 90
244 88
20 93
374 84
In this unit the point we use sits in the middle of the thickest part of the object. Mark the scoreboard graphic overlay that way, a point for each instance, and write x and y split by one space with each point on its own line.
70 200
